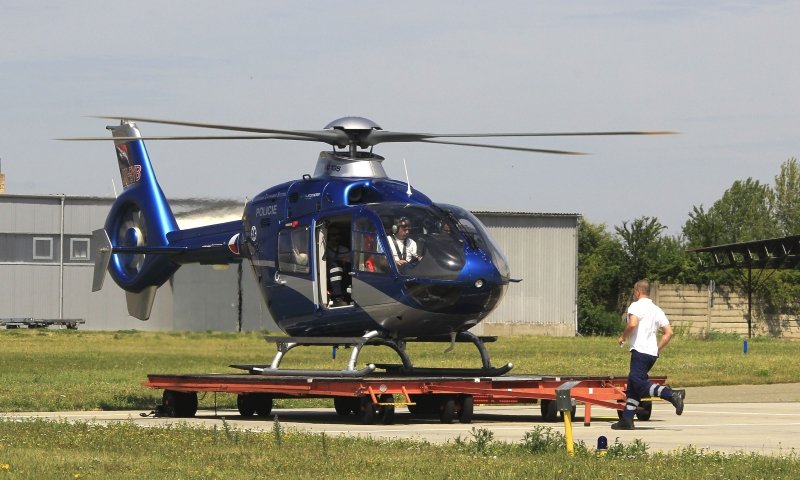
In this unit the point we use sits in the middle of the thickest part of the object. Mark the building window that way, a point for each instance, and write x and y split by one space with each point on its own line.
79 249
42 248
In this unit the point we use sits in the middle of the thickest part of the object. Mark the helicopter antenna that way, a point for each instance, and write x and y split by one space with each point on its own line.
114 187
408 180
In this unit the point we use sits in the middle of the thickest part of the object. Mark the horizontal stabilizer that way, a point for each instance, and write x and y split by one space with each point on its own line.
101 253
147 249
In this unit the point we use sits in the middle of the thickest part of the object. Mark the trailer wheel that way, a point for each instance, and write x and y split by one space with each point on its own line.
386 411
448 409
549 410
342 406
345 406
644 411
368 410
179 404
262 402
168 401
465 408
355 406
244 403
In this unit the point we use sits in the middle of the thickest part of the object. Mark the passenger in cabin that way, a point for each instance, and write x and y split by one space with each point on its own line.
300 247
374 258
300 258
337 257
369 246
404 249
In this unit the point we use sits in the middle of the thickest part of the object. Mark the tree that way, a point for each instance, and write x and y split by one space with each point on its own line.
781 293
640 242
743 213
747 211
609 264
652 255
785 198
673 264
702 229
600 266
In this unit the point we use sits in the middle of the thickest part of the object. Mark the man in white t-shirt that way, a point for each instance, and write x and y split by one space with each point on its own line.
645 319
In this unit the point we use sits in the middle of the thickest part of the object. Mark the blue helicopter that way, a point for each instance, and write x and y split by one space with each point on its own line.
346 256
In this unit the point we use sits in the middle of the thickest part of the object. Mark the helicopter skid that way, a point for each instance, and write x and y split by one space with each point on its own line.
284 344
397 369
287 372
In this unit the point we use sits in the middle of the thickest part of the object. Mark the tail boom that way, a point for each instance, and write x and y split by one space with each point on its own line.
141 245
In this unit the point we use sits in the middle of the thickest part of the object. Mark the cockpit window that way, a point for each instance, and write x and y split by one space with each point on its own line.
421 241
369 256
478 235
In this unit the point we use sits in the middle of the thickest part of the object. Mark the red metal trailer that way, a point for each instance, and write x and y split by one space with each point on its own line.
371 397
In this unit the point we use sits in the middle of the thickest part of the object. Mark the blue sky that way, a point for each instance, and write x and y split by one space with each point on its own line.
724 74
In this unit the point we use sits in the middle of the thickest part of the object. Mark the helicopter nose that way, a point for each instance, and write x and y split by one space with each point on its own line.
466 299
433 296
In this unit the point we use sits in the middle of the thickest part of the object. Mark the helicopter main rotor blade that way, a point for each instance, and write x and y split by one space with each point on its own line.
365 134
332 137
382 136
502 147
559 134
289 137
188 137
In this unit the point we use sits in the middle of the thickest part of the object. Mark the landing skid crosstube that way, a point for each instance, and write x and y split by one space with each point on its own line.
284 344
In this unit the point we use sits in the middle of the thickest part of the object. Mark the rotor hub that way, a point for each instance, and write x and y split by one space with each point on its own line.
357 129
133 237
352 123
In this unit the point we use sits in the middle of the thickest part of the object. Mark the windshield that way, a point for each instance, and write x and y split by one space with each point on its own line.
421 241
478 235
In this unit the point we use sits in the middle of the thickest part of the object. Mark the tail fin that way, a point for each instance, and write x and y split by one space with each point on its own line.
139 220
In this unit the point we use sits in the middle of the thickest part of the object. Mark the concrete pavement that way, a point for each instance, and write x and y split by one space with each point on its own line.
762 419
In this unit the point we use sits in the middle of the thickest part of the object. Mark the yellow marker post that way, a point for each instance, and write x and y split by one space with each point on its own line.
564 404
568 432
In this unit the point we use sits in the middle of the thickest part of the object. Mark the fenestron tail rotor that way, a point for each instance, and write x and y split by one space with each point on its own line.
132 232
358 132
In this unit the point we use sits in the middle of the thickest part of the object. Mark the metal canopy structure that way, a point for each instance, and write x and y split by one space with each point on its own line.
773 254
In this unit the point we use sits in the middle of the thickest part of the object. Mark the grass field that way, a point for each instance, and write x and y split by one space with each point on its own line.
68 369
41 449
82 370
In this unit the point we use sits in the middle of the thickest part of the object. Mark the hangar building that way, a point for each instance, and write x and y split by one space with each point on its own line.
46 271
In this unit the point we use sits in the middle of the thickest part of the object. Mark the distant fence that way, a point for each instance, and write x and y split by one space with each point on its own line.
41 322
688 310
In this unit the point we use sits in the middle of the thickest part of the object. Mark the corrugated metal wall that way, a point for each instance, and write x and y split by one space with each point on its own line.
35 214
31 288
542 251
29 291
208 299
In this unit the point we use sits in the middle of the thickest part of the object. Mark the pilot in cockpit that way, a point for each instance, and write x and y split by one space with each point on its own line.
404 249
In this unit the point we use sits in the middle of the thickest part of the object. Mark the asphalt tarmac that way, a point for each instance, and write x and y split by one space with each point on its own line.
763 419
